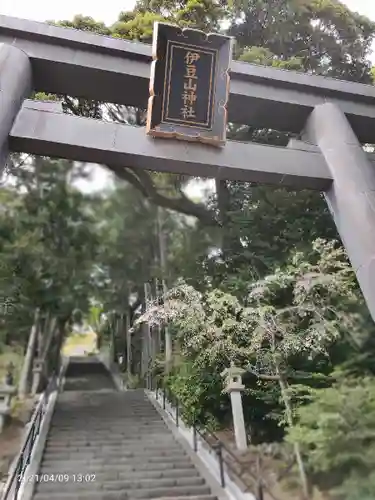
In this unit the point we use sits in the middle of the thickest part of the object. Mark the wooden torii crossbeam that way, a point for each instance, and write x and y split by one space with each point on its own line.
334 118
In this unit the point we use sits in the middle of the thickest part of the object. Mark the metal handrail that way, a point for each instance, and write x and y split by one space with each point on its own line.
217 447
15 480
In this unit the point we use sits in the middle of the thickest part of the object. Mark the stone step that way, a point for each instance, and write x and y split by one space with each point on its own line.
102 427
84 406
116 451
119 446
79 434
140 454
142 438
78 415
110 434
95 400
117 422
125 430
120 474
135 441
113 495
145 417
111 461
106 466
90 482
125 445
97 416
85 401
103 462
173 492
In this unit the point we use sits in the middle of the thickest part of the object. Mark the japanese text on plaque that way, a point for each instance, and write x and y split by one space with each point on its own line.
189 95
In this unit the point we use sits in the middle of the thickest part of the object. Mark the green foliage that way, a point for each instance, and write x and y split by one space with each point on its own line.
324 36
358 486
134 382
299 303
136 26
263 56
285 330
337 432
47 242
263 225
200 391
95 317
200 14
85 23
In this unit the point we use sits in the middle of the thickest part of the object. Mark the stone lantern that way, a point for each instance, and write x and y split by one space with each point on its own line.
6 394
38 372
234 387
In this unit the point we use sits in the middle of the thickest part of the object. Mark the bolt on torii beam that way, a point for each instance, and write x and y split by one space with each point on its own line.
334 118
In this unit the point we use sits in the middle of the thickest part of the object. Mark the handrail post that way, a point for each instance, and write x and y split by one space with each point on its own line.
177 413
195 439
164 397
219 453
260 491
33 435
19 477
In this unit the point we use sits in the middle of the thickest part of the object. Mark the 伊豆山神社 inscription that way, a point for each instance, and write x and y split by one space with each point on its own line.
189 85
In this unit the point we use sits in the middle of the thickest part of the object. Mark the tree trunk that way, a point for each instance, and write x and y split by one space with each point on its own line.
48 336
24 385
48 350
60 340
289 417
128 348
53 357
42 332
112 351
163 264
223 203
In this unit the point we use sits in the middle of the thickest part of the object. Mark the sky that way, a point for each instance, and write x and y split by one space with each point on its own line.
42 10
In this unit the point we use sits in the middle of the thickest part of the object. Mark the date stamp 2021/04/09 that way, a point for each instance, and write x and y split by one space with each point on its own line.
60 478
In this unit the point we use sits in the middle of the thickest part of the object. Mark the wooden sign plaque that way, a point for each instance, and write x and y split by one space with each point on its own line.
189 85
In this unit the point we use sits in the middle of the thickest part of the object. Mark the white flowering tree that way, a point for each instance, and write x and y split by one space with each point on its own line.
297 311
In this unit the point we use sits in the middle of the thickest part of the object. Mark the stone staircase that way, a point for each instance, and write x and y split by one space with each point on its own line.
87 374
108 445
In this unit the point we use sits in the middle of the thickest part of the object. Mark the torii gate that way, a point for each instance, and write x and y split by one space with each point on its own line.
333 117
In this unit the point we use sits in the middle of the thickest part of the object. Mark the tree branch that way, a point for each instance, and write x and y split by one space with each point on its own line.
269 378
292 376
127 175
142 181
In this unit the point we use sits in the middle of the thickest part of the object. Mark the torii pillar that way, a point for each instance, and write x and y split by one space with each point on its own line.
15 86
351 198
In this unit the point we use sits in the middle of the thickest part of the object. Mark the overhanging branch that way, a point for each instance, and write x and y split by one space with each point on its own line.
142 181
